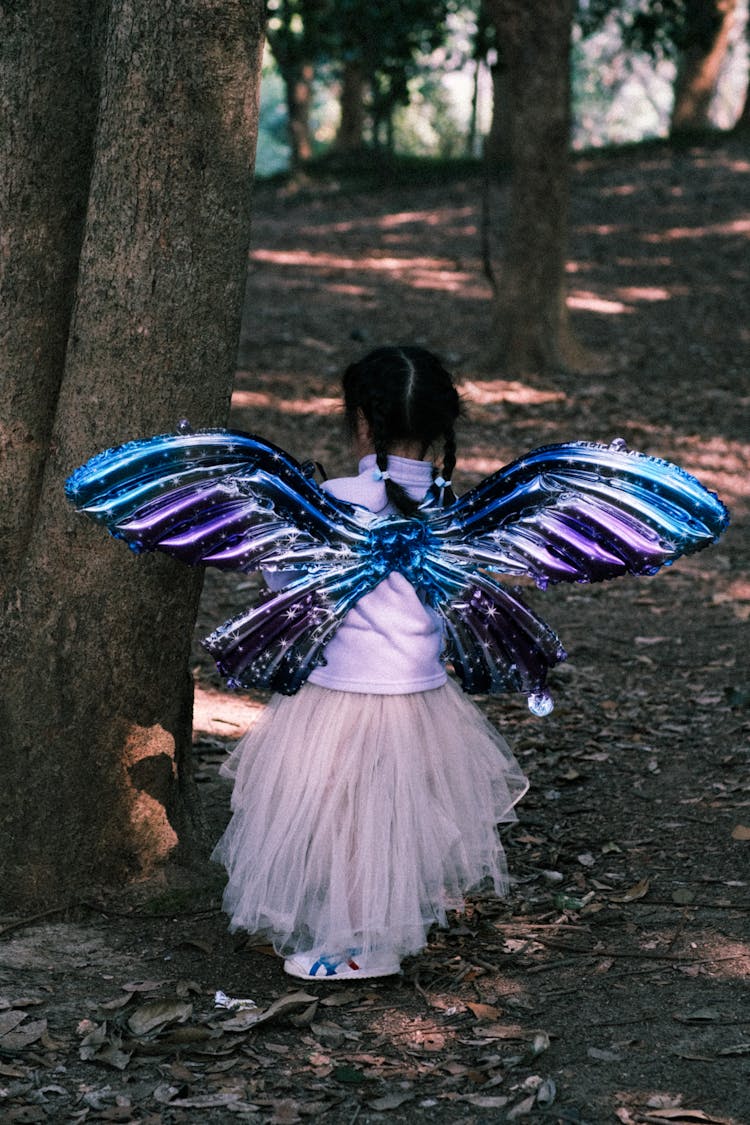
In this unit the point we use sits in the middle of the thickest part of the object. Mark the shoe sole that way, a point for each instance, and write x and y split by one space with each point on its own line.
345 974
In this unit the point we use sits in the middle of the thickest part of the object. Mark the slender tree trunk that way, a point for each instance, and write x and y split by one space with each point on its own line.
298 81
742 124
499 142
471 136
709 29
350 134
530 330
97 699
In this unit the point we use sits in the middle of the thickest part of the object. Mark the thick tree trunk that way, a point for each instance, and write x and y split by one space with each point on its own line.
97 700
708 32
530 327
350 133
45 165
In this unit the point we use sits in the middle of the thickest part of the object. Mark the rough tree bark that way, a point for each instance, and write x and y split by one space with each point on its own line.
96 703
45 165
530 331
709 27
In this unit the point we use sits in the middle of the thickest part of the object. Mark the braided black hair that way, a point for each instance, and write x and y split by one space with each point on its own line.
405 395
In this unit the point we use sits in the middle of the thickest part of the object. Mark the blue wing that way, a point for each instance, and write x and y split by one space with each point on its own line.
231 500
575 512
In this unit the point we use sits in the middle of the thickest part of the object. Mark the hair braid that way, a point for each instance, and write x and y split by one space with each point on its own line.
397 496
449 464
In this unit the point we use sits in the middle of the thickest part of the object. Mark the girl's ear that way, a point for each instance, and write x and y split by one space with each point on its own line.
363 433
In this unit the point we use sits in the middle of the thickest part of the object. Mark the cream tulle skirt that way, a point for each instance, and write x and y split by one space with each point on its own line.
358 820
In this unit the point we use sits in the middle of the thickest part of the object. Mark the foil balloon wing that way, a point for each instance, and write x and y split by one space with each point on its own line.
228 499
577 512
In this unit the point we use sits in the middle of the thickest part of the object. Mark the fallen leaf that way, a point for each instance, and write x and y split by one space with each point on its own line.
700 1015
284 1006
339 1000
736 1049
10 1019
157 1014
8 1071
22 1002
484 1011
547 1092
683 1116
98 1046
638 890
142 985
521 1109
185 987
329 1034
502 1031
603 1055
24 1036
196 943
205 1101
116 1113
164 1093
486 1101
690 1055
116 1004
390 1101
741 832
285 1112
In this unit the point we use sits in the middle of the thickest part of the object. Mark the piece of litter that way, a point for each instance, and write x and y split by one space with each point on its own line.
233 1003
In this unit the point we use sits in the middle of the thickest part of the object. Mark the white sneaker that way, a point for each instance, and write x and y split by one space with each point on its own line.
346 966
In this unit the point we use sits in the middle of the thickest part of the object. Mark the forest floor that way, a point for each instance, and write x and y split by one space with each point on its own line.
612 984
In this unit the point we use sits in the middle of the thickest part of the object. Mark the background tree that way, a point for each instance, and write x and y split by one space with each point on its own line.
530 329
694 33
703 42
126 217
383 44
296 36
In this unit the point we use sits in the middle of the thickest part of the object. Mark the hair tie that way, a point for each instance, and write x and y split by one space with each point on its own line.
441 483
381 474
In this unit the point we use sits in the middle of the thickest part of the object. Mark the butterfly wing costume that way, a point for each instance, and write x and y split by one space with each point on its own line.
573 512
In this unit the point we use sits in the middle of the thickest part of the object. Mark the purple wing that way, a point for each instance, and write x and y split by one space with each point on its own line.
577 512
231 500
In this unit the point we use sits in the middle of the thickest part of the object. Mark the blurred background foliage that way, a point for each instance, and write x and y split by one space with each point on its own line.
424 78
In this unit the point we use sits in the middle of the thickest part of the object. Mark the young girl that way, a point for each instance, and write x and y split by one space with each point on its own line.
365 805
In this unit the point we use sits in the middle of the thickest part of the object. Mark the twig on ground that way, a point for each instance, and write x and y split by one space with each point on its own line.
32 918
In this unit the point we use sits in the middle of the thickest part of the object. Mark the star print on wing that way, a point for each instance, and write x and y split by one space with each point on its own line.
575 512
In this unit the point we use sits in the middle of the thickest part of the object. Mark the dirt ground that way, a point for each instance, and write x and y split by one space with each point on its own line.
612 985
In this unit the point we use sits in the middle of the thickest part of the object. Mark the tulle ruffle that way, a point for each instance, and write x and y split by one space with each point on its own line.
359 820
